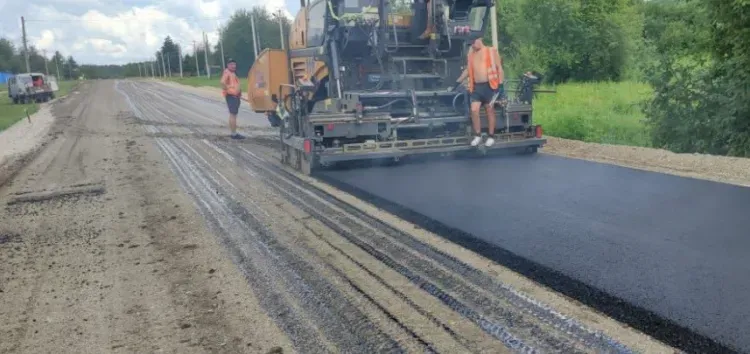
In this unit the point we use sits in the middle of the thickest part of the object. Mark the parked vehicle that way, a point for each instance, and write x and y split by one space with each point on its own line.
32 87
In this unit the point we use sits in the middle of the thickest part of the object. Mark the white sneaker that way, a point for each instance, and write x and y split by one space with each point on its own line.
490 141
476 141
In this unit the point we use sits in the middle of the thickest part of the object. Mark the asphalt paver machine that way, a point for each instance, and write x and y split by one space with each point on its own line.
358 81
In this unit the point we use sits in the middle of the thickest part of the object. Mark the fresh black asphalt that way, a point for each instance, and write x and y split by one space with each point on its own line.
677 248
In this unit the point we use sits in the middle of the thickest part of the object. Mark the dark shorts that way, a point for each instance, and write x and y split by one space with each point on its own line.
483 92
233 103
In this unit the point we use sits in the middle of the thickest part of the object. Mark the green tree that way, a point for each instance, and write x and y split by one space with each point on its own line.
10 60
36 60
584 40
171 55
238 40
57 62
71 69
701 101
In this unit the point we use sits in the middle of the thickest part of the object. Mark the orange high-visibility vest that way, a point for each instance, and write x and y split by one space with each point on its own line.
493 76
233 85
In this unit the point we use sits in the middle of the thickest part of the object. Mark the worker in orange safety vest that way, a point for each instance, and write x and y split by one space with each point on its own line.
232 93
485 72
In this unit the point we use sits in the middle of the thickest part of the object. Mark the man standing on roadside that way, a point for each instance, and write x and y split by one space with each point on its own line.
230 85
485 72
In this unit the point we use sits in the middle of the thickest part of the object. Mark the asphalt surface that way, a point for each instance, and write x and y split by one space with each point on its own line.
675 247
334 278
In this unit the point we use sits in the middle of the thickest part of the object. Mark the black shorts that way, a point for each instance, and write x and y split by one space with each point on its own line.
233 103
483 92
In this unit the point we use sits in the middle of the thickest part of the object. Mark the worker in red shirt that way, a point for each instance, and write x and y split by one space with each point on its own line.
232 92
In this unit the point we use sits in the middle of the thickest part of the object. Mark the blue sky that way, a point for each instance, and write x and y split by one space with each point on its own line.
117 32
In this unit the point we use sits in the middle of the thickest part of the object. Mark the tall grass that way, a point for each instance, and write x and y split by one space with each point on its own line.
605 112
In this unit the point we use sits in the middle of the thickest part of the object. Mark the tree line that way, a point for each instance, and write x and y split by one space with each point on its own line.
694 53
12 60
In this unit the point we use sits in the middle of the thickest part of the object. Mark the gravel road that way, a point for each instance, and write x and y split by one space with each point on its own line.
141 228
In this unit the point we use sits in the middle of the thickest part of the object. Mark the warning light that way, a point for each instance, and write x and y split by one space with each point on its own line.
308 146
329 126
539 132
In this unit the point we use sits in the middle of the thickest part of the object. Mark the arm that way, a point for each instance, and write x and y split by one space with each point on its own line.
224 79
464 74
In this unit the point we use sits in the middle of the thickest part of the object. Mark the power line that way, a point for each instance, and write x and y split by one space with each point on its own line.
138 19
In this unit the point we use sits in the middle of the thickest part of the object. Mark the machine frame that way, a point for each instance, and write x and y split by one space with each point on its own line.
332 108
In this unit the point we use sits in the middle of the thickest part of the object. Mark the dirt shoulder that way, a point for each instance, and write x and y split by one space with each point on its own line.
732 170
21 141
101 251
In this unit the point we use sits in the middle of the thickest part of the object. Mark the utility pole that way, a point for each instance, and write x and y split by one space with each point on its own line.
221 45
163 66
25 47
281 30
195 53
46 69
153 73
493 24
57 67
255 37
169 66
179 56
205 53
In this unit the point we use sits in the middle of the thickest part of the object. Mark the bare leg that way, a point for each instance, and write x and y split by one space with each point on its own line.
428 28
491 120
475 106
491 123
233 123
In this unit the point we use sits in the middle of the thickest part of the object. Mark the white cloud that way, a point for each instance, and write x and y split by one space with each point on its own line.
103 32
46 40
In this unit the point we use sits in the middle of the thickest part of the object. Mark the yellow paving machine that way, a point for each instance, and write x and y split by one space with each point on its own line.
359 81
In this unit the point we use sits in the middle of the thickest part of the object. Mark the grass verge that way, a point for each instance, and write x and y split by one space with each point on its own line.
203 81
605 112
11 113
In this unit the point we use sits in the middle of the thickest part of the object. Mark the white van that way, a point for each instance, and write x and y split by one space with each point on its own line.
32 87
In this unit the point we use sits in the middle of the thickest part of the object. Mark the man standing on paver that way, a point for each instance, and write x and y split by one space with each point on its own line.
230 85
485 71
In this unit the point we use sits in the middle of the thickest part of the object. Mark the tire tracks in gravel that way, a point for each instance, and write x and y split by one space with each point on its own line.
310 309
490 305
323 316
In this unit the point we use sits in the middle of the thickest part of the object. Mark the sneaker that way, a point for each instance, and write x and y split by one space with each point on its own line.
490 141
237 136
476 141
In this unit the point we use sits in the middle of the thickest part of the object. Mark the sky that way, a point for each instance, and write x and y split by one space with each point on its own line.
120 31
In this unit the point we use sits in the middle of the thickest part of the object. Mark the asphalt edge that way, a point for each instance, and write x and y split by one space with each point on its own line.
639 318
